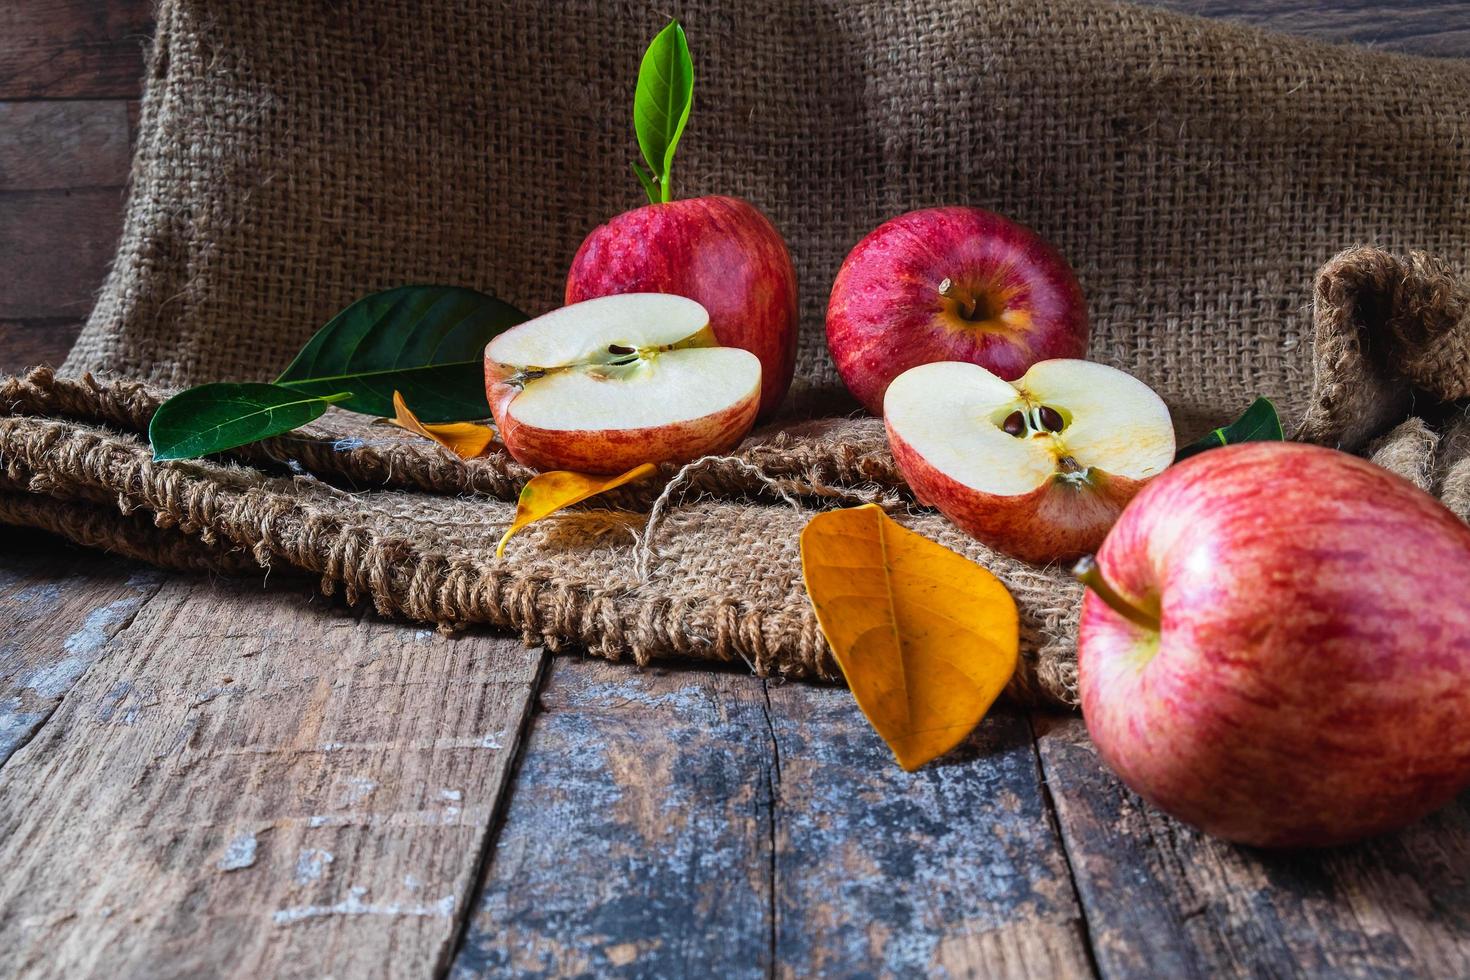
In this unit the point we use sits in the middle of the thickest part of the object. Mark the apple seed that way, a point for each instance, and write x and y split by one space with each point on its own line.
1051 419
1015 424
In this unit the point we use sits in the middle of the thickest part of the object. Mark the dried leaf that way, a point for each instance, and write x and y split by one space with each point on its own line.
548 493
467 440
926 638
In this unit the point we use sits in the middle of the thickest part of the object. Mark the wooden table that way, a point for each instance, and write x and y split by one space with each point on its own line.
205 776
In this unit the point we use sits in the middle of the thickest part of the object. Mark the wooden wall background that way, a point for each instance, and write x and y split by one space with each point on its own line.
70 76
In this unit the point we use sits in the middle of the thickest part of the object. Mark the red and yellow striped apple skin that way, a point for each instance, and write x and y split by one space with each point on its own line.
1310 684
617 450
1058 520
886 314
719 251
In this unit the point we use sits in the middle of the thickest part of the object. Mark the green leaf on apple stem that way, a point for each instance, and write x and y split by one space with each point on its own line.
661 106
214 417
1259 423
649 187
427 342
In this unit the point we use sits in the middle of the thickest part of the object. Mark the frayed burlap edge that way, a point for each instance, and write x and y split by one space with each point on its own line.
1392 368
100 487
75 473
792 461
1392 338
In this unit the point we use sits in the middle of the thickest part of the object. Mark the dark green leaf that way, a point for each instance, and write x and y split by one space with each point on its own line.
661 105
215 417
1260 423
426 341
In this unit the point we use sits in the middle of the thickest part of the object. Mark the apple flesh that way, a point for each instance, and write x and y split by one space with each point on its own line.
951 284
1286 657
1038 468
720 251
604 385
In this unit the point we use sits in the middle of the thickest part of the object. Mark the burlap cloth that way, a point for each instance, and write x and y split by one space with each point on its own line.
293 156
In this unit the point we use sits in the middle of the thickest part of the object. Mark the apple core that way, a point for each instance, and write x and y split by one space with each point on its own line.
991 308
1039 467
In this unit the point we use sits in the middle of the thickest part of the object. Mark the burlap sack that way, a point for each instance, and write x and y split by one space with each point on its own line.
294 156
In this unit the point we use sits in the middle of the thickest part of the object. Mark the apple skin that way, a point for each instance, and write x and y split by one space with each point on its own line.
1058 520
1310 682
886 313
616 450
719 251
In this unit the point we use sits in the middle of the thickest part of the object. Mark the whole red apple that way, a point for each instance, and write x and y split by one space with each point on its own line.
1276 646
951 284
719 251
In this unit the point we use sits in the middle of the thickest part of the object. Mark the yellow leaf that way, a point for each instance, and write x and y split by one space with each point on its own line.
926 638
547 493
467 440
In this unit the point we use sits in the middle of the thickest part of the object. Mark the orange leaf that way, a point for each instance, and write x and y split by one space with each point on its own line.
467 440
926 638
547 493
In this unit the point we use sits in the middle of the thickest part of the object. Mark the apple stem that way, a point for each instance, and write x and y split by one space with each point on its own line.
1089 574
967 306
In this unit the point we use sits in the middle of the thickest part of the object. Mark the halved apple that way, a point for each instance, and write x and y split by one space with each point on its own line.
1039 467
603 385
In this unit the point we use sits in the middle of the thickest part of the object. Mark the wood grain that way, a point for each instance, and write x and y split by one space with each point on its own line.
59 608
57 247
1428 27
637 839
677 823
954 869
63 145
27 343
248 786
85 49
1164 900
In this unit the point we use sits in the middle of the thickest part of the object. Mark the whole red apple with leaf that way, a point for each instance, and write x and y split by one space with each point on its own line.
721 251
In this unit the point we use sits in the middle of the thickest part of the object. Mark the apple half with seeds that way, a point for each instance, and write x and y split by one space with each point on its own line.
604 385
1038 468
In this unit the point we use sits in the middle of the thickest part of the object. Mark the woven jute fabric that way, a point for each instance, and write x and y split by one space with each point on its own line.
292 157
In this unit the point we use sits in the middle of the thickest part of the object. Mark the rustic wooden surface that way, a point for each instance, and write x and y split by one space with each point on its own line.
664 821
235 782
239 778
1164 900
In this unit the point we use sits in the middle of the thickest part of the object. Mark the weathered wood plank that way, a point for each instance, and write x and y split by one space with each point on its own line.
692 823
637 837
26 343
246 786
88 49
59 607
54 145
1429 27
1164 900
57 247
955 869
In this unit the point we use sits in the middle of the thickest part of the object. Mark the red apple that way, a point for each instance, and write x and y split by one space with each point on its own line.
719 251
951 284
601 386
1276 646
1039 467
